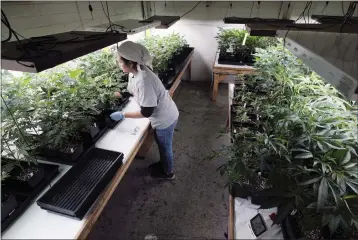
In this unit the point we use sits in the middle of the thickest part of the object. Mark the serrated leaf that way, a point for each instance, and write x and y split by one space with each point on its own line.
322 193
353 187
332 146
300 150
305 155
333 223
350 196
346 158
348 166
352 150
313 180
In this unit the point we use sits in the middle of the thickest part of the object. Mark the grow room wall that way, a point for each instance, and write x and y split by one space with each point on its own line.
201 25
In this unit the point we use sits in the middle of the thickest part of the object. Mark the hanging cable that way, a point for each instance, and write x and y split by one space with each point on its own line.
324 8
251 8
175 8
190 10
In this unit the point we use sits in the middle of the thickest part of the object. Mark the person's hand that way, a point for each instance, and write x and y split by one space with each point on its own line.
117 94
117 116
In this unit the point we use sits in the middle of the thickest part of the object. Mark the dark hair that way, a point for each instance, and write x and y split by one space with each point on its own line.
129 63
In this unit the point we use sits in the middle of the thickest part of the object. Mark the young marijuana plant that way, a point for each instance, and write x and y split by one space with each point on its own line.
163 49
308 132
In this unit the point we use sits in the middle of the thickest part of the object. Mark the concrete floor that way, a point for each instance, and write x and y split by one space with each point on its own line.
195 204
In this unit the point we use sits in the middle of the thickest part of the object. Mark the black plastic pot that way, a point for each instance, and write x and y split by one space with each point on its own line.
74 194
8 205
240 190
290 229
91 131
70 153
25 178
24 199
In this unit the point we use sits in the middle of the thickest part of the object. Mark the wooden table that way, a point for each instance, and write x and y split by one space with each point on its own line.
221 71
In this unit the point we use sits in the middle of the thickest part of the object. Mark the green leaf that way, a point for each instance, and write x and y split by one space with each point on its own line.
322 193
300 150
353 186
350 196
348 166
352 150
346 158
313 180
304 155
332 146
333 223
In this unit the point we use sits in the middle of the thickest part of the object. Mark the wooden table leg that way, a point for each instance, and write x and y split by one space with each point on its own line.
217 79
189 71
147 144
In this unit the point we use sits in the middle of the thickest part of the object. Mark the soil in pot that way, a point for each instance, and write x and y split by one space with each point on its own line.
8 205
70 152
24 178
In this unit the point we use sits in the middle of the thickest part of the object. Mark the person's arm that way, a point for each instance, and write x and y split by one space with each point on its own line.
123 94
145 112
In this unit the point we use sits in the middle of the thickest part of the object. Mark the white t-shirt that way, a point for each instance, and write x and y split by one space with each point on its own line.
149 91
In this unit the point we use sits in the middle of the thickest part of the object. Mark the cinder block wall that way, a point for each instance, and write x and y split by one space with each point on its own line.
37 18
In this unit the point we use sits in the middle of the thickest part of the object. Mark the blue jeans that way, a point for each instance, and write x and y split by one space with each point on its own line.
164 139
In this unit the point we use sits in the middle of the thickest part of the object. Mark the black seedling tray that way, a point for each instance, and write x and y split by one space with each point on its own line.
232 59
25 198
74 194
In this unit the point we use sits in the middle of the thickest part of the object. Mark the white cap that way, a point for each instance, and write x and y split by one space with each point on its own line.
135 52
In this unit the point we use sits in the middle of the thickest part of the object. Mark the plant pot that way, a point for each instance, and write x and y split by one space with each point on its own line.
290 228
25 199
69 153
25 178
240 190
89 134
8 205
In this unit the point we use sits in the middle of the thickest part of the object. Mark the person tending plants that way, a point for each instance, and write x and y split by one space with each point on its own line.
155 104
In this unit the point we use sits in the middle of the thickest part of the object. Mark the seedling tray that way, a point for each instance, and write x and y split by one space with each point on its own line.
78 189
231 59
24 199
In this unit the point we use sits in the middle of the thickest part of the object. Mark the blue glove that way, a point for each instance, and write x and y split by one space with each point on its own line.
117 116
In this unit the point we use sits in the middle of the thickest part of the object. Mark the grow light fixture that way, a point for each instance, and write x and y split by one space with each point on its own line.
341 80
40 53
263 33
334 19
237 20
166 21
129 26
324 27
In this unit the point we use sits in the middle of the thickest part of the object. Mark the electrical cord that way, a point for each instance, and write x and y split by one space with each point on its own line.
111 24
190 10
6 23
